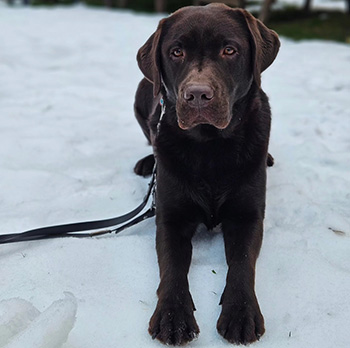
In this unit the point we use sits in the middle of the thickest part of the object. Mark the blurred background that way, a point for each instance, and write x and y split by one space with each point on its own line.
296 19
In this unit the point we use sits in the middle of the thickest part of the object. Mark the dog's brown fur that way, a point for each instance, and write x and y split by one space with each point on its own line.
211 155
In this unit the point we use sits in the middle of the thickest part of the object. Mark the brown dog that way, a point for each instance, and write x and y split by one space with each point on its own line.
211 150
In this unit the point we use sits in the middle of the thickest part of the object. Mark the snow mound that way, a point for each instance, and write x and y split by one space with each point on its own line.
22 325
15 315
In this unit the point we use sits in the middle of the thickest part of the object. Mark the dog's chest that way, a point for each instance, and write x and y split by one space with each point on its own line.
210 198
205 174
211 179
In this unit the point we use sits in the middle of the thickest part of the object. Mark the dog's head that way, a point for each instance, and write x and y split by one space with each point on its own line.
207 58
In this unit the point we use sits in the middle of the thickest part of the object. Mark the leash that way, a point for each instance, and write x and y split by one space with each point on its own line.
72 230
75 229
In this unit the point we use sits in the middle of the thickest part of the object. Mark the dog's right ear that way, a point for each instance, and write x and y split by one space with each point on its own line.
148 59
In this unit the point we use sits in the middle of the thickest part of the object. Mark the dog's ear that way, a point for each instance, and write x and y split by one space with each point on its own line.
148 59
265 44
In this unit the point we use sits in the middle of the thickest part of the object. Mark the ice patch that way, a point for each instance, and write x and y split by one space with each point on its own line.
32 329
15 315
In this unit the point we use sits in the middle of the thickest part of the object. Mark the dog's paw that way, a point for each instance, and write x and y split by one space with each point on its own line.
144 166
270 160
243 324
173 325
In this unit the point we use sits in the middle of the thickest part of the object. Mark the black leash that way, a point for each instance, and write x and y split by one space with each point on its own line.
72 230
75 229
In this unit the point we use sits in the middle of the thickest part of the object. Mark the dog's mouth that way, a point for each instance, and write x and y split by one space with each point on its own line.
189 124
189 117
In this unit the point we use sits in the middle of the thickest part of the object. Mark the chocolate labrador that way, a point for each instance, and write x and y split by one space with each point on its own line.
211 149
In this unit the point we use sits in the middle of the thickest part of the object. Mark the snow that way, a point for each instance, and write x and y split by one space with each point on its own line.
327 5
67 148
15 315
48 329
334 5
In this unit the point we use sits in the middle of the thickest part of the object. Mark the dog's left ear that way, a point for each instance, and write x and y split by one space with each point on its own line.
265 44
148 59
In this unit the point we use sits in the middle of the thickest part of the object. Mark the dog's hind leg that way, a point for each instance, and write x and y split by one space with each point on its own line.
270 160
143 107
144 166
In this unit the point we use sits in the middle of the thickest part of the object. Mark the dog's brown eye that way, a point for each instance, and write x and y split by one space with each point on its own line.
177 52
229 51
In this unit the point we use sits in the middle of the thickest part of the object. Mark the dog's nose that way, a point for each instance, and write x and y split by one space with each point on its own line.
198 95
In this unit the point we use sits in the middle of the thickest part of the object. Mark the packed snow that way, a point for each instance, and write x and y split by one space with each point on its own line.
68 144
48 329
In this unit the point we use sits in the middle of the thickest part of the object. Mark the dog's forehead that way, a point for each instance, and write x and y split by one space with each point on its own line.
207 22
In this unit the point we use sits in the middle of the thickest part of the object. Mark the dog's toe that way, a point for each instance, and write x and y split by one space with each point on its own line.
174 326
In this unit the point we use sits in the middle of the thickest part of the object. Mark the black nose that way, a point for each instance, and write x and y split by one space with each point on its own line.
198 95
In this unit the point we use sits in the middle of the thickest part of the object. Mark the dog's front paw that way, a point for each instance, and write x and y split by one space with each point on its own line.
144 166
173 324
241 324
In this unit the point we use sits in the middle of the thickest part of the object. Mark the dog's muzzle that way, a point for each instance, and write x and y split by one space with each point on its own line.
199 104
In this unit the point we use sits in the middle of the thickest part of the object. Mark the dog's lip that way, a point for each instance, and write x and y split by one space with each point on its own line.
189 125
182 124
216 115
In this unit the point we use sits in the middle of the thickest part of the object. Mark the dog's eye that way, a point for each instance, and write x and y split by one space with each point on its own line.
229 51
177 52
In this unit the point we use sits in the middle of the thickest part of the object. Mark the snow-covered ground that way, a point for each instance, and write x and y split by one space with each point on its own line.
339 5
67 148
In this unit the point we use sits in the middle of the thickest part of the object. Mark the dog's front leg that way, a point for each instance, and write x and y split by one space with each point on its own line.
173 321
241 321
